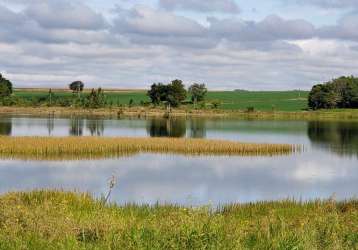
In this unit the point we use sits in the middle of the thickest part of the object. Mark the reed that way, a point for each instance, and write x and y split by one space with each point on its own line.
103 147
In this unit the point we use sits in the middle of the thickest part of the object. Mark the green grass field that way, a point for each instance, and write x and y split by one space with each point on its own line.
59 220
261 100
229 100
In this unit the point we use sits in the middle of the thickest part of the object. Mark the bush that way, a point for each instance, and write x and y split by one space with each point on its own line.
96 99
250 109
215 104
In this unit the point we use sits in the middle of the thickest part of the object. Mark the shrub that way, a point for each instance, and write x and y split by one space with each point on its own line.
96 99
215 104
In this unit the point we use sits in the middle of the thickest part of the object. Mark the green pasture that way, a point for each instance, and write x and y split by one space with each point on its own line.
229 100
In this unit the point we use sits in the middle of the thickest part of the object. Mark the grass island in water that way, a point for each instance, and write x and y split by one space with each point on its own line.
104 147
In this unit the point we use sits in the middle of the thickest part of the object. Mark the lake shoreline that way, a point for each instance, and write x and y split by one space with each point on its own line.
61 220
144 112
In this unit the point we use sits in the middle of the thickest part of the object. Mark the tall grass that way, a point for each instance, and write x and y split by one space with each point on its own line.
60 220
101 147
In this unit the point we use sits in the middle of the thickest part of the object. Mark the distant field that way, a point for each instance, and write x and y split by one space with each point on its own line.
262 100
230 100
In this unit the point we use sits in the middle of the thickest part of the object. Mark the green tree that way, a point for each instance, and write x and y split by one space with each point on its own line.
131 103
351 94
177 90
157 93
338 93
5 87
96 99
197 92
76 86
173 93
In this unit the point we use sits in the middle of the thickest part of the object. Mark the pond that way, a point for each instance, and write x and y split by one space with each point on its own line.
327 166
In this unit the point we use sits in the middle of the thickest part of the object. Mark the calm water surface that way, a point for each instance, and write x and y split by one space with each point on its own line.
329 164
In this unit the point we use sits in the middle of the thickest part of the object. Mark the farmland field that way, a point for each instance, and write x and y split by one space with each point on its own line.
229 100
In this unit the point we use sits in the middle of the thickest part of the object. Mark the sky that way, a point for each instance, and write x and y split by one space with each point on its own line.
226 44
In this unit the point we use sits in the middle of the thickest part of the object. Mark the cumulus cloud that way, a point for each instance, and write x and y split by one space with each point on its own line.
272 28
144 25
145 20
346 28
226 6
330 3
64 15
52 42
34 23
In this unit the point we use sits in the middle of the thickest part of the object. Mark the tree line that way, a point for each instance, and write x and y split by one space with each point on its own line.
173 94
338 93
94 99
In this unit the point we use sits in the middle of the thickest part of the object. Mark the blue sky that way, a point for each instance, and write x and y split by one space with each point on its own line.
227 44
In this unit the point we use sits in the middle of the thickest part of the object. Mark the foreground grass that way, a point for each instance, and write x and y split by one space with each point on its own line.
101 147
60 220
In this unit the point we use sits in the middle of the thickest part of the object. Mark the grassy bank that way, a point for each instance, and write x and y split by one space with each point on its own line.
100 147
59 220
143 112
285 105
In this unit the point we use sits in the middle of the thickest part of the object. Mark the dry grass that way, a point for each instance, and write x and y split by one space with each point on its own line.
115 112
102 147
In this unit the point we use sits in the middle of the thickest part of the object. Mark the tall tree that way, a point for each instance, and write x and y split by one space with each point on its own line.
176 93
197 92
5 87
338 93
173 93
76 86
157 93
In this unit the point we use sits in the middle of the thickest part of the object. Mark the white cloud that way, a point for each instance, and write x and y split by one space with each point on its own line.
226 6
143 44
63 14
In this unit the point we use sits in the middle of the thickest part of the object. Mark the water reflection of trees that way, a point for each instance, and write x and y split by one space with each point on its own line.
50 124
176 127
76 126
6 126
197 128
338 137
95 127
171 127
